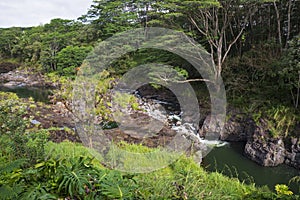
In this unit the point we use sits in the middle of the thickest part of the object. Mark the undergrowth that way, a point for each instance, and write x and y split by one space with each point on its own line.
32 169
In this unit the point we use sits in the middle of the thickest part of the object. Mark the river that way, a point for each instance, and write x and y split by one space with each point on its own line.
228 159
38 94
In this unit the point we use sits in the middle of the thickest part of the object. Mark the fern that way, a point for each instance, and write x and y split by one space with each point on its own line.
75 180
116 186
36 192
11 166
8 192
295 179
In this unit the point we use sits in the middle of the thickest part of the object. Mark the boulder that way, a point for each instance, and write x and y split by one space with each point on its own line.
293 152
8 66
212 127
238 127
262 148
266 153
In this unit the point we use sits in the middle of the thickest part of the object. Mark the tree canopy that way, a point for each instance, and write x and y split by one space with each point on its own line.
233 31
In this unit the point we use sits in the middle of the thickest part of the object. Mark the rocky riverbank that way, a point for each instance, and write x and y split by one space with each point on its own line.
260 146
8 66
239 127
24 78
269 151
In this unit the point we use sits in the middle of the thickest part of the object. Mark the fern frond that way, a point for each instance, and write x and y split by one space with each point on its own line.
8 192
11 166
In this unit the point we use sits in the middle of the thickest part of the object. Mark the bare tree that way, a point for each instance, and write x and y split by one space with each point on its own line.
214 21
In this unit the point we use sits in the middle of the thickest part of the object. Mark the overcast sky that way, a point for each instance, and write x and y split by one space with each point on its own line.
26 13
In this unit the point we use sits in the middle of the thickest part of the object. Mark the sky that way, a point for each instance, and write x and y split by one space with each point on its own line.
25 13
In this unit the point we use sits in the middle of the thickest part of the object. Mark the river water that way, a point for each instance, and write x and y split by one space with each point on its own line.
38 94
227 159
230 161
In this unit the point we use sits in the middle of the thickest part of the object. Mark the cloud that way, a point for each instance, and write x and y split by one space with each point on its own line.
35 12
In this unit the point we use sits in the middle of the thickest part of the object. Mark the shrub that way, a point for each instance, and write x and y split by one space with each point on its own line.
16 141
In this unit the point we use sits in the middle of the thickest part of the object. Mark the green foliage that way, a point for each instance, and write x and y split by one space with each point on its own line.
114 16
125 101
261 193
11 166
282 190
36 192
70 150
250 79
103 98
64 90
181 72
296 180
256 75
16 140
7 177
8 41
103 95
114 185
280 120
73 175
289 70
70 59
74 179
5 96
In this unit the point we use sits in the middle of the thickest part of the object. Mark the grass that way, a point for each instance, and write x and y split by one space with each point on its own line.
182 179
170 176
69 150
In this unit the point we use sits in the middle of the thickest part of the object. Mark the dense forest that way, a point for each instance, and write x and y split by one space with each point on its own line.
254 44
255 48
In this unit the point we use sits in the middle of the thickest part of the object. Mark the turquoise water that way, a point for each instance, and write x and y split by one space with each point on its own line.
230 161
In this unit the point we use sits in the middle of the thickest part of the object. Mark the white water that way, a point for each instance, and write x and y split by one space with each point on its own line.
154 109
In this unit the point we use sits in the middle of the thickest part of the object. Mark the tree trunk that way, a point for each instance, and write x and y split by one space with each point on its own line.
289 23
278 24
269 23
298 91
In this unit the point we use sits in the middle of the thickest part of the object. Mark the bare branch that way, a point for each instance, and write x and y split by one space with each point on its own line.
194 80
231 44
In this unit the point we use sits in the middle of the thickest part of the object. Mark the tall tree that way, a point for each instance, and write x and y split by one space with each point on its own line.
219 24
9 38
111 16
278 23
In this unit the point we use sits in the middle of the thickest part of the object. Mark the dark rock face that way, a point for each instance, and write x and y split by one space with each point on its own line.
269 153
7 66
237 128
211 128
293 152
260 146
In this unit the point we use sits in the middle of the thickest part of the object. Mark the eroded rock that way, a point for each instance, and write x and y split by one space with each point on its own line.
266 153
18 78
238 127
293 152
8 66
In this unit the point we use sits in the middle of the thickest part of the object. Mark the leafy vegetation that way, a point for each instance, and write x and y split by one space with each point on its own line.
77 177
37 169
17 139
254 44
